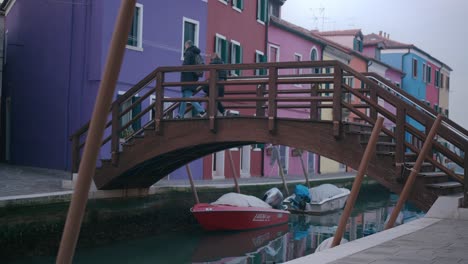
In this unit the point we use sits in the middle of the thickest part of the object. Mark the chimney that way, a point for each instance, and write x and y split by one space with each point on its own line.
385 34
380 33
388 36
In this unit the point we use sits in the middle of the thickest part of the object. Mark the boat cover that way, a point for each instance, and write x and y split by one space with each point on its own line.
242 200
323 192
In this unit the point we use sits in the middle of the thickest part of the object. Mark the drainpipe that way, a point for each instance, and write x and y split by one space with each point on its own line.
403 67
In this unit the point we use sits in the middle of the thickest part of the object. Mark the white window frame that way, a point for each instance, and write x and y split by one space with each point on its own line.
235 7
152 99
316 51
277 53
297 71
233 58
219 36
259 12
424 72
196 41
224 1
257 52
140 31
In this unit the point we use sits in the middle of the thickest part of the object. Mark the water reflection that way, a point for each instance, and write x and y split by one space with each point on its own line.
305 234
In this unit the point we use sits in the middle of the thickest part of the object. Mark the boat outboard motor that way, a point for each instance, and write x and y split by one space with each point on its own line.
274 198
301 197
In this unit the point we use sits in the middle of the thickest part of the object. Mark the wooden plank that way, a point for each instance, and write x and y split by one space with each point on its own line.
337 109
158 107
272 104
400 139
212 107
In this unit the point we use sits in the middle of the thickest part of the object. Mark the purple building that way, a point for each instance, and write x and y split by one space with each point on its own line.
56 54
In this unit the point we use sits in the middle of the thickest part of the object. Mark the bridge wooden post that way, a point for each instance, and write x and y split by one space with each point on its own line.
368 153
304 170
414 172
96 131
313 104
337 109
158 105
272 96
234 172
115 137
212 98
400 139
373 97
260 111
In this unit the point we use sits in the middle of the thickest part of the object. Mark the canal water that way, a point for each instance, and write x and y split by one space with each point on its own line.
181 240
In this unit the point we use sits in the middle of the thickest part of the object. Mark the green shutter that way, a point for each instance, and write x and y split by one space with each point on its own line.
355 44
238 58
135 111
224 50
241 4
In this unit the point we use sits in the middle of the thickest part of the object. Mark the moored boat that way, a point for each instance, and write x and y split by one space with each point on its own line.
234 211
322 199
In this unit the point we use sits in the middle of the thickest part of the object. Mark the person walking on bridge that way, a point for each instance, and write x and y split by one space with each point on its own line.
190 54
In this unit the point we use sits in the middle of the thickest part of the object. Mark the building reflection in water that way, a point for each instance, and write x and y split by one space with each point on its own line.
306 232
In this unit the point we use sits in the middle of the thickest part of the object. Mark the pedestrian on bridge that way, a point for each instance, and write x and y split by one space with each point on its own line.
222 75
190 54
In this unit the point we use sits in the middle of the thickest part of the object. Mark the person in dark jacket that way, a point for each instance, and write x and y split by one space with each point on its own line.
191 51
222 75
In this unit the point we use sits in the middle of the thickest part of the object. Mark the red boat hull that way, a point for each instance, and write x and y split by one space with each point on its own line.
225 217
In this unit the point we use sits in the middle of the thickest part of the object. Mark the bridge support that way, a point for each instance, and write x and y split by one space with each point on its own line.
414 172
96 131
368 153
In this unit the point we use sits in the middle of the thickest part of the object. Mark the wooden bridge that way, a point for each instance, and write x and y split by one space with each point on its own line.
335 117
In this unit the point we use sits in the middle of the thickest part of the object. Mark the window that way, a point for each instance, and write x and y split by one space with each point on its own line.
442 80
135 37
437 78
314 57
238 5
262 15
377 54
125 119
274 53
415 68
260 58
190 31
429 74
221 47
357 45
274 9
424 73
166 105
297 57
448 83
236 56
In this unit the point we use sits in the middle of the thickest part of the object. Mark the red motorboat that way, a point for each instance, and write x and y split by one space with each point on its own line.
227 217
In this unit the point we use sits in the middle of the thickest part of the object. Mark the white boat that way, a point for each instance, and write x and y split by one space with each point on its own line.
324 199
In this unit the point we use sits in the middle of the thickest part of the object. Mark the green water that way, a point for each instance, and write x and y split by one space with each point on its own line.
170 235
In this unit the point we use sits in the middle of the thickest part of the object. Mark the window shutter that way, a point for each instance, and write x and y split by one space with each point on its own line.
224 51
241 4
135 111
240 60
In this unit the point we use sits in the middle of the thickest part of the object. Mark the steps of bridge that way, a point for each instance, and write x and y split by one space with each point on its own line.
434 177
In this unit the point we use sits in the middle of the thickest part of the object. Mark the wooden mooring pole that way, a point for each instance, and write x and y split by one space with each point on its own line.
280 170
98 122
368 153
192 184
234 172
304 170
414 172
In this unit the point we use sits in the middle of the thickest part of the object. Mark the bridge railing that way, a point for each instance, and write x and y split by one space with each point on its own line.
326 91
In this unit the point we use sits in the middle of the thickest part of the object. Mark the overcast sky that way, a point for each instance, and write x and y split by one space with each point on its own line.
439 27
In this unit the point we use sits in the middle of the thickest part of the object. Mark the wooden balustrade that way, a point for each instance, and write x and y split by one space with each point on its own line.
269 95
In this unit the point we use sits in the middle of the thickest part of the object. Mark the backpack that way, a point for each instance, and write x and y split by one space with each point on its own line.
199 61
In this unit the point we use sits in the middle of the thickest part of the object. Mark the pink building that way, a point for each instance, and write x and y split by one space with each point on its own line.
288 42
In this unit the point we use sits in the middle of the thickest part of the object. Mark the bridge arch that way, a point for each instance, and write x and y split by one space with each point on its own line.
152 157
